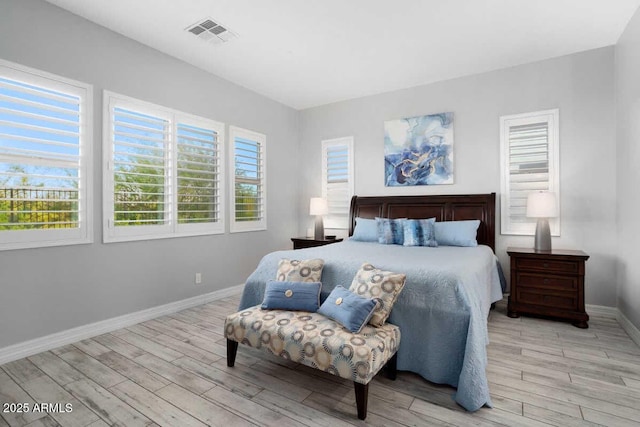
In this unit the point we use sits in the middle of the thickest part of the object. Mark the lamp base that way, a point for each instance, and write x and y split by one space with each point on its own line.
542 241
319 233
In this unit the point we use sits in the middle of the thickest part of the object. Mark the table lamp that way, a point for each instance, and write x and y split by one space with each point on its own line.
318 207
542 205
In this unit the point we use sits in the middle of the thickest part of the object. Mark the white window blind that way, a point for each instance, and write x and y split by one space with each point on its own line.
529 146
249 180
337 180
44 157
140 144
198 175
163 175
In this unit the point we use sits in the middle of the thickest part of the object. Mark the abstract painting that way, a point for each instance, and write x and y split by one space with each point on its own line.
419 150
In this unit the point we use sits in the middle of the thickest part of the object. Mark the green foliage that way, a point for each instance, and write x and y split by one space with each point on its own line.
139 193
25 206
198 190
247 202
29 208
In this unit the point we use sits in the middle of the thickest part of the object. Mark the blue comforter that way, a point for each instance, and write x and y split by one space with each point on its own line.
442 310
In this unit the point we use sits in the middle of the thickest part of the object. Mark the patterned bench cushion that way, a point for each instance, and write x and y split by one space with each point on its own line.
315 341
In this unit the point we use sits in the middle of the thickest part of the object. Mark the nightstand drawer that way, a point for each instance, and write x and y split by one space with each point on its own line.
547 265
532 280
557 300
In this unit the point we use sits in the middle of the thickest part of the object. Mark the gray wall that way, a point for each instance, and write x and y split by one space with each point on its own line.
580 85
47 290
627 57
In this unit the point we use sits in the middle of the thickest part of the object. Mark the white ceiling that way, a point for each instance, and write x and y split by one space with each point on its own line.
305 53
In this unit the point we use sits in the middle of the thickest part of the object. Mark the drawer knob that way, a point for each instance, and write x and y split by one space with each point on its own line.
546 264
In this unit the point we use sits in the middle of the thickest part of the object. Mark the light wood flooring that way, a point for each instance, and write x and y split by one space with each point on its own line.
172 371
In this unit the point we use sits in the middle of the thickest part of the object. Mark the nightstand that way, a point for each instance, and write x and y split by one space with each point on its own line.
310 242
548 284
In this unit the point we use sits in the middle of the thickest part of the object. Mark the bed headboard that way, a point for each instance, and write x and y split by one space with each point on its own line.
443 208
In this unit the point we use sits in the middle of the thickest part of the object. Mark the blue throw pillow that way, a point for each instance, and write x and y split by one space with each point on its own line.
348 309
366 230
419 232
457 233
301 296
390 231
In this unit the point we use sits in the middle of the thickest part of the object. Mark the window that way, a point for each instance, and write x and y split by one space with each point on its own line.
45 157
163 172
337 180
248 191
529 158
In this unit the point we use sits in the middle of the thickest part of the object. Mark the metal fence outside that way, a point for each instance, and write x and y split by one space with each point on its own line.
28 208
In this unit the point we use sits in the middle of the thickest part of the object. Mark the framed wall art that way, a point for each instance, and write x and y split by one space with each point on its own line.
419 150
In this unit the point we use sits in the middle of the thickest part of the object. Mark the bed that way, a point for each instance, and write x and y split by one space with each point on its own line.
442 311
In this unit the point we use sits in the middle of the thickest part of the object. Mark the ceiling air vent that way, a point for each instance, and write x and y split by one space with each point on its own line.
211 31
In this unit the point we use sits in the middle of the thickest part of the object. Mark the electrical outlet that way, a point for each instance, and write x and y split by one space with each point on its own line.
198 278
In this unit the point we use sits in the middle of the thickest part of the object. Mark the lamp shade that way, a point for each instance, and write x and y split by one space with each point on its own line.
318 206
542 204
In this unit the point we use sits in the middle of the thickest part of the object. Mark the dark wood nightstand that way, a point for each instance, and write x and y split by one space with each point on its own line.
310 242
548 284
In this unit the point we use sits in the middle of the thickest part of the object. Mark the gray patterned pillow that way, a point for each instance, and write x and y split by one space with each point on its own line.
306 270
383 286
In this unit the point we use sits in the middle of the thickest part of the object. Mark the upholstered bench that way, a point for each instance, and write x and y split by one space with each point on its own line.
319 342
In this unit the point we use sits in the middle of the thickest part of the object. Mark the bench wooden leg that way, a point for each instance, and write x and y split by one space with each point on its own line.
232 349
362 395
391 368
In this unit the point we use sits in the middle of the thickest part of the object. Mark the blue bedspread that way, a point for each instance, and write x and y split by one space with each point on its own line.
442 310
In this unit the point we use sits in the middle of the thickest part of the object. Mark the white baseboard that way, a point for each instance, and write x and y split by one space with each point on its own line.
629 327
625 323
37 345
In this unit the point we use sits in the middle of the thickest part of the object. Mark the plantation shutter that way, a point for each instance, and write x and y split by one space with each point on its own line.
40 158
198 175
529 153
140 144
248 174
164 177
528 166
337 180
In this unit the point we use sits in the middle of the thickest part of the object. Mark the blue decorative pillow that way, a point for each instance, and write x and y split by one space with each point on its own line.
390 231
419 232
348 309
301 296
457 233
366 230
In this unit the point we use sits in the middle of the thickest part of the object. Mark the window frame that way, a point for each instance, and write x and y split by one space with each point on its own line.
261 139
331 219
552 118
172 228
24 239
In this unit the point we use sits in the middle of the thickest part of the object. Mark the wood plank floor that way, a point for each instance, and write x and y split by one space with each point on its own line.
172 371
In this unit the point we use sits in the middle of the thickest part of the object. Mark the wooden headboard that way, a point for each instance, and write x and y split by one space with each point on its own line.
443 208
